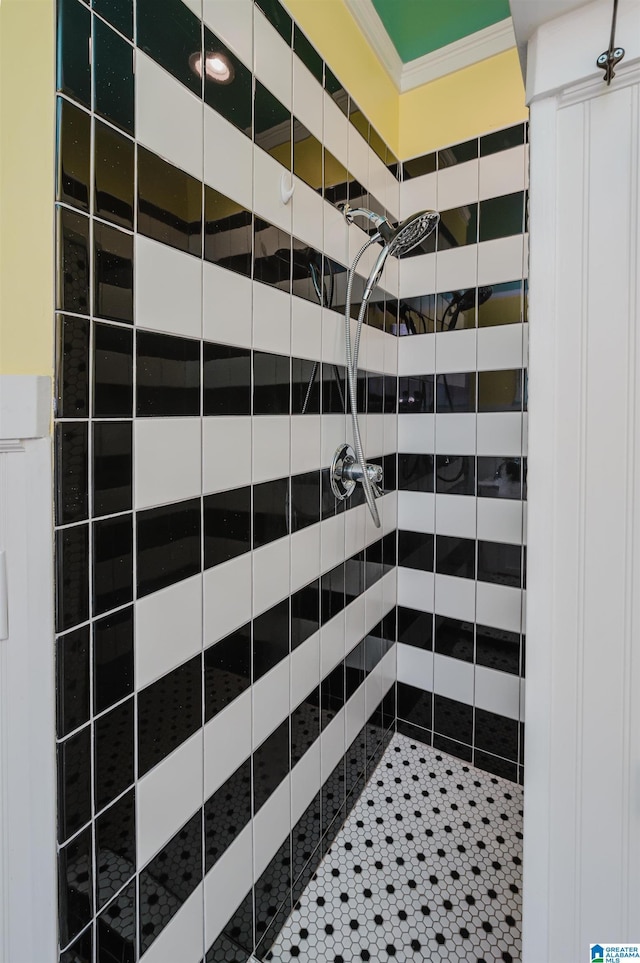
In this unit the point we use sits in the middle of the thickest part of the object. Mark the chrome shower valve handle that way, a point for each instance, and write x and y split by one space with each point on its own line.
346 473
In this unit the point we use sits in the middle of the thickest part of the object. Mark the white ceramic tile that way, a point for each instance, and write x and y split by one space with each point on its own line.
453 678
458 185
226 452
167 796
390 278
270 701
271 440
500 260
232 22
272 59
500 347
336 130
503 173
306 329
270 574
417 354
228 158
375 435
416 433
500 520
168 460
373 602
227 742
455 597
168 629
332 541
389 434
305 668
522 699
336 244
305 443
305 781
227 597
456 268
497 692
416 511
307 213
355 530
372 691
389 591
195 6
391 353
455 433
168 116
455 351
168 289
331 644
355 716
389 504
355 621
374 357
332 744
305 556
418 275
308 98
333 338
500 433
456 515
181 939
419 194
271 319
268 202
270 826
222 289
415 666
226 884
358 156
499 606
416 589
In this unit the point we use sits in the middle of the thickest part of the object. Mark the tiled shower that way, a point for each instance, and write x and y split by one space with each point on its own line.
232 640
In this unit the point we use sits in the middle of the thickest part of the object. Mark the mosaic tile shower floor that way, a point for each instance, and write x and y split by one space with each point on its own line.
426 867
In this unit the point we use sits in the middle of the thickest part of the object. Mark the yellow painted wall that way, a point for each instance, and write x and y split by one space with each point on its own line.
27 84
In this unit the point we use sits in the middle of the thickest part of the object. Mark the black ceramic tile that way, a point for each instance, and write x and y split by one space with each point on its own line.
72 367
455 474
458 227
81 951
113 754
456 310
354 577
498 649
169 879
455 556
358 119
226 813
354 669
454 638
307 53
277 17
419 166
272 125
305 500
113 175
73 54
169 202
307 156
72 681
310 273
112 372
168 375
452 747
333 797
270 764
270 638
375 393
389 552
375 646
415 550
415 628
270 511
168 545
496 734
112 467
332 694
336 90
169 711
499 767
378 145
500 304
116 929
500 563
456 392
227 525
170 34
452 719
112 273
112 59
271 255
334 389
329 504
72 287
72 576
305 725
112 563
74 783
458 153
332 593
227 380
500 477
239 930
415 472
73 155
272 898
500 390
390 394
373 570
72 490
502 140
415 394
112 659
224 950
305 387
75 889
271 384
305 838
227 670
305 613
227 83
119 13
228 232
336 179
417 315
502 216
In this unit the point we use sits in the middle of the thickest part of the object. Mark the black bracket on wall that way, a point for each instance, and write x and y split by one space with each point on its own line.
611 57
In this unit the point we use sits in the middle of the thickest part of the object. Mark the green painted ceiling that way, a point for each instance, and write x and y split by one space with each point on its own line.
419 27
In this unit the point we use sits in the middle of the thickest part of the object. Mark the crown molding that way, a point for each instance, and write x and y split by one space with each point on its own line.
455 56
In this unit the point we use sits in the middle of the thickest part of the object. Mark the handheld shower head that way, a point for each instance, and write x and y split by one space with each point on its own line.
410 232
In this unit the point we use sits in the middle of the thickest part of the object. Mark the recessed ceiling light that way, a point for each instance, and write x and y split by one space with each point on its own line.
217 67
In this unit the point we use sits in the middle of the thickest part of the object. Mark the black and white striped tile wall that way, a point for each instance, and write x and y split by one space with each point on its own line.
462 454
225 632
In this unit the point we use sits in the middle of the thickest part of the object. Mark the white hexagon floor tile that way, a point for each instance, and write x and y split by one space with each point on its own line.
428 866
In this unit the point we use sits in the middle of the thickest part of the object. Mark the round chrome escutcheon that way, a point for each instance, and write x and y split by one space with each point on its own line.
342 487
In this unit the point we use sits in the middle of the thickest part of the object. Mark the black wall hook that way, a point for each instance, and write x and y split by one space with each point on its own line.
611 57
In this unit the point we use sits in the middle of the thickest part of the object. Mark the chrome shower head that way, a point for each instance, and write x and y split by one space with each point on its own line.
410 232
